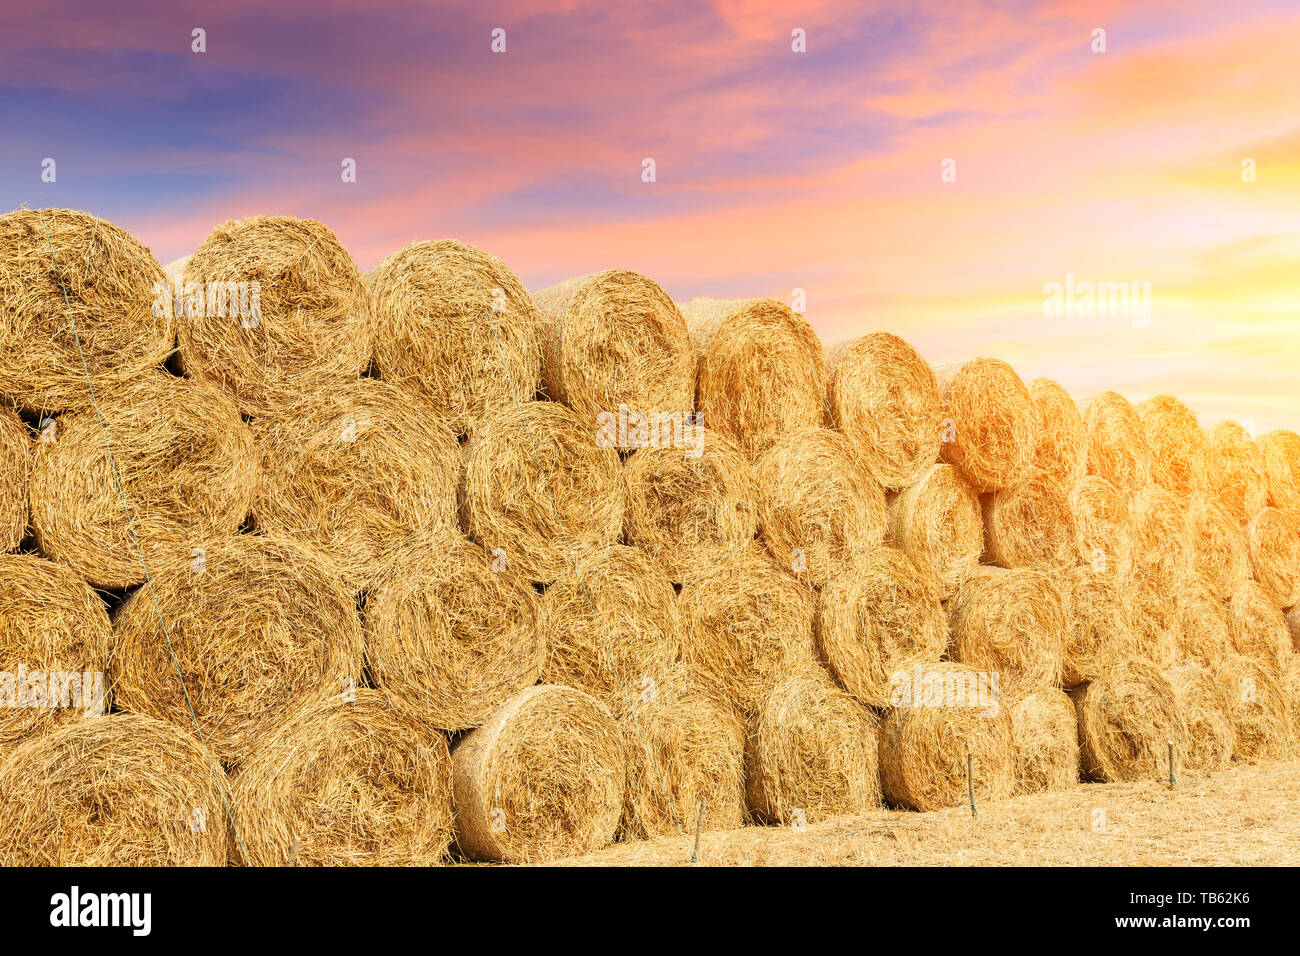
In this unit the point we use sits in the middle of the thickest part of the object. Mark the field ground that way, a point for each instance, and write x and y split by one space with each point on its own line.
1247 815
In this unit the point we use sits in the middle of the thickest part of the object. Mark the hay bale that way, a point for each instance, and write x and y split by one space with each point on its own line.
119 790
945 718
690 510
990 426
50 621
1029 524
457 325
817 504
450 633
1153 612
1200 631
1218 547
543 778
1117 443
1099 622
762 372
609 623
1281 453
1062 449
1273 543
1046 740
1210 734
938 522
746 624
1103 529
538 487
353 469
1127 719
1291 687
812 753
885 399
1178 445
1235 474
1161 545
258 628
346 782
315 325
615 340
186 464
15 469
1257 628
684 747
1258 707
878 615
111 283
1011 623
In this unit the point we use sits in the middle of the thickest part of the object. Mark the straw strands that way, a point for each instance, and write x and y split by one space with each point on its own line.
1210 734
1161 545
1128 718
1117 443
1103 530
1273 543
1219 552
1235 472
1200 632
1257 704
990 425
1257 628
1062 449
1281 454
939 524
1046 741
1011 623
1029 524
1179 448
15 467
1099 621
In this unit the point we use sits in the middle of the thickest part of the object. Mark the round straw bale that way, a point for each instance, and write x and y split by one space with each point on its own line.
15 469
1281 453
51 622
689 509
1291 686
1218 547
1100 627
1200 632
1128 717
346 782
615 340
938 522
1117 444
185 462
1235 473
813 753
1210 734
119 790
1103 531
610 622
314 324
885 399
1047 741
63 270
1273 542
817 505
945 720
355 468
1178 445
684 747
1257 704
538 486
746 623
1062 448
1153 612
1161 545
878 615
255 627
544 778
1029 524
1257 628
451 634
762 373
990 429
1011 623
456 324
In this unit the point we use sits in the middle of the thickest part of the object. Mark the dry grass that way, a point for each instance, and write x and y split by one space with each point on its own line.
1281 453
450 633
346 782
1179 448
316 325
1128 718
1200 632
1257 628
990 424
1062 449
1204 703
1258 706
15 469
1117 443
1100 626
111 283
1235 472
1046 740
1218 548
186 464
542 779
457 325
1012 623
615 339
1161 543
1273 542
119 790
817 503
885 399
1030 524
939 524
1103 527
259 627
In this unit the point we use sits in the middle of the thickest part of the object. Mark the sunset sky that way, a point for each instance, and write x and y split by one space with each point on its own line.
775 170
